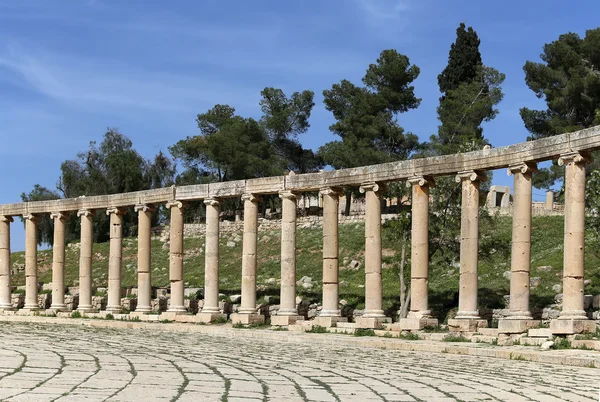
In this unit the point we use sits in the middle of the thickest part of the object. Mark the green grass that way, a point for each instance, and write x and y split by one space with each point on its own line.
547 250
317 329
455 338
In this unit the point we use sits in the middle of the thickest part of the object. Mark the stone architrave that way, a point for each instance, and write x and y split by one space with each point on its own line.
469 245
144 295
176 257
31 278
247 313
574 242
85 260
5 274
520 319
115 259
58 261
210 310
288 312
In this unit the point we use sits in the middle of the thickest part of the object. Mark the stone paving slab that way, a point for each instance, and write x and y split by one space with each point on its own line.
218 363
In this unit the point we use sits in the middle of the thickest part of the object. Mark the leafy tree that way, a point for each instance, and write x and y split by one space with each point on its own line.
464 60
45 224
366 117
568 79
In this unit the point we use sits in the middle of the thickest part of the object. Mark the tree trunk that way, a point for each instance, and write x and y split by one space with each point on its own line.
404 290
348 202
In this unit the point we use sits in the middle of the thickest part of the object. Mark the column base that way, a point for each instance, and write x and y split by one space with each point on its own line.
516 326
570 327
86 308
208 317
573 315
371 322
31 307
177 309
285 320
328 321
373 314
468 315
143 309
466 324
58 307
113 309
414 324
6 307
247 319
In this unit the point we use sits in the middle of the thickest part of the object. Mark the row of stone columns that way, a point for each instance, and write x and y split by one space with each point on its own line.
288 314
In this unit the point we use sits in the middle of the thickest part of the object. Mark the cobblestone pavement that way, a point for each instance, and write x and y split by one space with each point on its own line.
68 363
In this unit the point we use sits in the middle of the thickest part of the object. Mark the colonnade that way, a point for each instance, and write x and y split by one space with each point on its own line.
467 319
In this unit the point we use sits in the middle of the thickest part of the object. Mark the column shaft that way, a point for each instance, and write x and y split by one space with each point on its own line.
211 262
419 272
288 254
115 260
373 284
330 253
469 247
85 260
521 241
573 267
176 257
58 261
144 258
5 274
31 280
249 254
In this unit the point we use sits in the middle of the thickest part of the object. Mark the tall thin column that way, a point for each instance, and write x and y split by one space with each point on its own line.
85 259
5 281
573 266
144 258
419 268
521 241
373 284
115 259
330 252
211 261
469 244
31 280
176 257
249 254
58 261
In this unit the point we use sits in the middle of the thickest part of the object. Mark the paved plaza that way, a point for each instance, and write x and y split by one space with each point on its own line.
70 363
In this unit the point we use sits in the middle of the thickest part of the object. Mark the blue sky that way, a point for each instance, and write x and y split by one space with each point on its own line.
71 68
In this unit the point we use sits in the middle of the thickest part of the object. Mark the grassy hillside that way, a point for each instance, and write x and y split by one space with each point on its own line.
547 250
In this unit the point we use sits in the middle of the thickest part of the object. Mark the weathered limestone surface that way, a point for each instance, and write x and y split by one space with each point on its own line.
115 259
31 282
330 252
144 258
85 259
58 261
5 281
176 257
288 256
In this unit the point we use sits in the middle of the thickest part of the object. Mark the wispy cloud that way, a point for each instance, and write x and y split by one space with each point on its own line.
384 9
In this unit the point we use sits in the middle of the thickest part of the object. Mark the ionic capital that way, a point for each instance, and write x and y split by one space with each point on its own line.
471 175
30 217
116 211
6 218
288 195
523 168
174 204
333 191
574 157
250 197
421 181
85 212
59 216
213 202
143 208
371 186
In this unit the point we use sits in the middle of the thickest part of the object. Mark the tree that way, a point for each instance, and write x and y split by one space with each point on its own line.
568 79
44 224
366 117
284 119
463 62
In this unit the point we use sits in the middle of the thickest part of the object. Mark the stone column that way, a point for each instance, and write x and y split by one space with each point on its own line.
85 260
330 314
549 206
31 280
5 282
288 312
520 319
115 260
58 261
469 247
176 257
373 315
144 258
247 312
210 310
573 267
